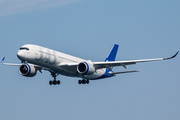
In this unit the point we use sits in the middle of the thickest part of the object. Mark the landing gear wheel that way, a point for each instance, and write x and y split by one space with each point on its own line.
79 82
58 82
87 81
50 82
83 81
54 82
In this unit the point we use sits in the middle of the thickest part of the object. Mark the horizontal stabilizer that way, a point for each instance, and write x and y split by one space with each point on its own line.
125 72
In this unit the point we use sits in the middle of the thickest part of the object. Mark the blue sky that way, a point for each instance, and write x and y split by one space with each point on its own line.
88 29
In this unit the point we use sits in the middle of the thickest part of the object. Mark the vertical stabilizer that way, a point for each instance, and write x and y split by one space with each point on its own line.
112 54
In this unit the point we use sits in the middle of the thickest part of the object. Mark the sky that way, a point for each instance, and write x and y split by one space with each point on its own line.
89 29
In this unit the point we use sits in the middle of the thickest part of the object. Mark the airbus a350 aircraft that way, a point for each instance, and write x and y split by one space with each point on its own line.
36 58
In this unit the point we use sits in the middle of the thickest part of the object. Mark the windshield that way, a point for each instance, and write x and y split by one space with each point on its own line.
24 48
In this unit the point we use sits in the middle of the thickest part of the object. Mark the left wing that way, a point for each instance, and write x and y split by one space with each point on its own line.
109 64
129 62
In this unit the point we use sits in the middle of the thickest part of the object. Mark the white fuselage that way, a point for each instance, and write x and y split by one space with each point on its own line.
52 59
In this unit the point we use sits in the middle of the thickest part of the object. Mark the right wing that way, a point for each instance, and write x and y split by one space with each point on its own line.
12 64
36 66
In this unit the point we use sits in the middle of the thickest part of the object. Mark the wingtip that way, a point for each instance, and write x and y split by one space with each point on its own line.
175 54
2 60
172 56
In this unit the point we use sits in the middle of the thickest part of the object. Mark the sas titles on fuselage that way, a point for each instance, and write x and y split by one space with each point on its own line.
45 55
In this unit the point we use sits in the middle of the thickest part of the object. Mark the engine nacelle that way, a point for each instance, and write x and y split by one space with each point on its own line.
27 70
86 68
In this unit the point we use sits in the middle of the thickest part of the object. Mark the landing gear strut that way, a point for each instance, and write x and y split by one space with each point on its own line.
54 82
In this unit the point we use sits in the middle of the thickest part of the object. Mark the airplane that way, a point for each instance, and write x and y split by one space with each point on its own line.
36 58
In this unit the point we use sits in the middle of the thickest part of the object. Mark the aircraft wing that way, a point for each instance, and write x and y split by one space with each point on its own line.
109 64
13 64
128 62
36 66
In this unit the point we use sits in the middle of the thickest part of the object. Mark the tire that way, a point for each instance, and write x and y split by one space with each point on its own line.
50 82
58 82
79 81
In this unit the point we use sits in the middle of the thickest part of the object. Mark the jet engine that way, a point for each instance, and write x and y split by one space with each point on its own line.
27 70
86 68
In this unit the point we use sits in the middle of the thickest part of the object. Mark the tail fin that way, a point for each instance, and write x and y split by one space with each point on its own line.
112 54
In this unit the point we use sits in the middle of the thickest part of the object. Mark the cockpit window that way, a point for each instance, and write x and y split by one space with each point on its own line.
24 48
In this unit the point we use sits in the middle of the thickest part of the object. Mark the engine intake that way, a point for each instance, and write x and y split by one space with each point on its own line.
86 68
27 70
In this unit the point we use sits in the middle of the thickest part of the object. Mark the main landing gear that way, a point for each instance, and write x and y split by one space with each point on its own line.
83 81
54 82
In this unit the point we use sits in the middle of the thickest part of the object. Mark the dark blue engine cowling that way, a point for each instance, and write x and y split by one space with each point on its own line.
86 68
27 70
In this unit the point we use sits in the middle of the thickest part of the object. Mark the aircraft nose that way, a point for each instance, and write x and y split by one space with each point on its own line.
20 55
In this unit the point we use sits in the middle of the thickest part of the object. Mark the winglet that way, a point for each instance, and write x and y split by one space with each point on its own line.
2 60
112 54
172 56
175 55
13 64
